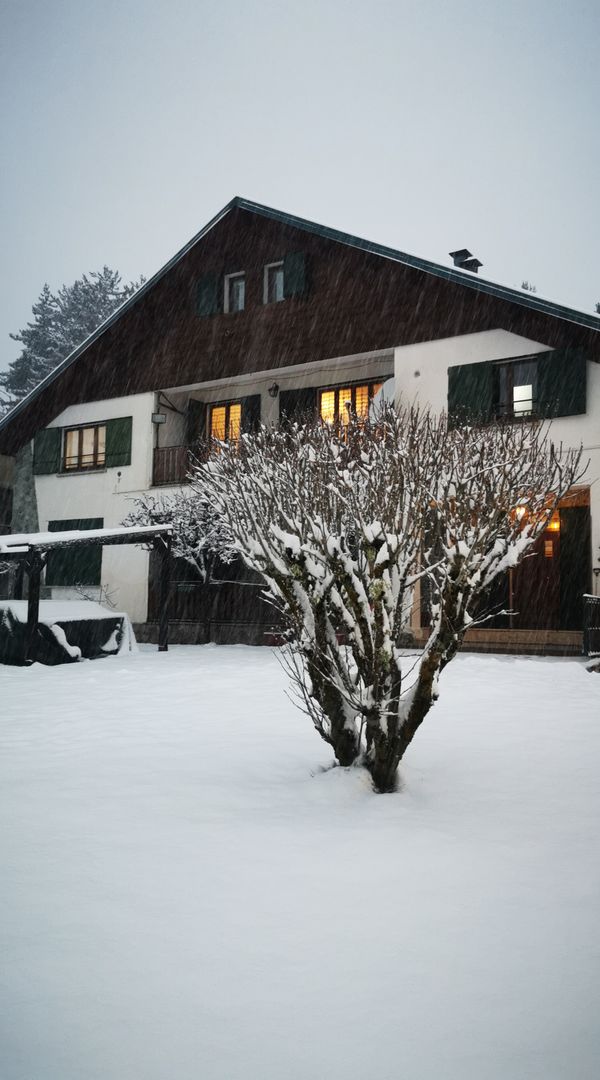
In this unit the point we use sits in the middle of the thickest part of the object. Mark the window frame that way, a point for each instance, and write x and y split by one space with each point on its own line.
373 387
227 282
212 405
280 263
94 466
505 409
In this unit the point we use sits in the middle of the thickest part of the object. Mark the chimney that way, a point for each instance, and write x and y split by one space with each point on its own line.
465 261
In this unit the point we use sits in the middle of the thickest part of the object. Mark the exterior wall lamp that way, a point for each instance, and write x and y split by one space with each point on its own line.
159 418
273 390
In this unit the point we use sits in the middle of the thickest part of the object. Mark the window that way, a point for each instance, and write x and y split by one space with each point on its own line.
84 448
551 383
235 292
226 421
516 390
342 401
273 283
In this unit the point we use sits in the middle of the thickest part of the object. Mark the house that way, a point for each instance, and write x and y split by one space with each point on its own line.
264 314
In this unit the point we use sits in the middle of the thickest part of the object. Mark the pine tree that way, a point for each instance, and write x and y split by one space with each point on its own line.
60 323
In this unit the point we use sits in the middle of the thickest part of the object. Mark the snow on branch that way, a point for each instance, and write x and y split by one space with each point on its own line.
344 522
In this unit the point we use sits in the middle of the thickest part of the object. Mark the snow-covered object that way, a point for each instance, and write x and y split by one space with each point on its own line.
55 614
344 522
24 541
199 534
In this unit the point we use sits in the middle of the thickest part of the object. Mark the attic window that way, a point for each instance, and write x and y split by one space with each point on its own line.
273 288
235 292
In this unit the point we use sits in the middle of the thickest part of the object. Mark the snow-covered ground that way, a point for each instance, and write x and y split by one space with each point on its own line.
187 894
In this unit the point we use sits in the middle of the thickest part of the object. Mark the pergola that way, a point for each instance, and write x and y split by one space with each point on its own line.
31 551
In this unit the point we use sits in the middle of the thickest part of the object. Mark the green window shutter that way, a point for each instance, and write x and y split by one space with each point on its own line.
251 413
195 421
471 389
294 274
298 406
561 383
208 295
118 441
75 565
46 451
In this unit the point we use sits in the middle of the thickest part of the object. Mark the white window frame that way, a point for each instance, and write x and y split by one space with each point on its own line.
271 266
228 279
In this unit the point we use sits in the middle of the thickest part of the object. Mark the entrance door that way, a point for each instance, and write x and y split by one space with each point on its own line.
535 584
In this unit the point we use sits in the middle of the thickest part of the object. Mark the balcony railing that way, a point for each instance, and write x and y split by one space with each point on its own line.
171 465
591 625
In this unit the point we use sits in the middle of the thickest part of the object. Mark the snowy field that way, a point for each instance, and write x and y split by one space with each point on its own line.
188 894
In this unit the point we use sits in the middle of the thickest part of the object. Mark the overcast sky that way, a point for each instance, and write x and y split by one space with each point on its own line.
426 125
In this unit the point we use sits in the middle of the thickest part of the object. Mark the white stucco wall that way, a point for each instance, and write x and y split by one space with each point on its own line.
421 374
107 493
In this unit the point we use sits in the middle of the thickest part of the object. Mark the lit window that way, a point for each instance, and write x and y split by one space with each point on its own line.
226 421
85 447
517 388
523 399
327 411
273 283
345 401
235 292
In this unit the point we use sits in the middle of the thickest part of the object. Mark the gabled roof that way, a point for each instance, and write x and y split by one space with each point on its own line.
452 274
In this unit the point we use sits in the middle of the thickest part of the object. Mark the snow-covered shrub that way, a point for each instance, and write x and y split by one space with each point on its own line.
199 533
343 523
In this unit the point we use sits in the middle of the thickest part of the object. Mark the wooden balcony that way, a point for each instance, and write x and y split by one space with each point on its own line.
171 464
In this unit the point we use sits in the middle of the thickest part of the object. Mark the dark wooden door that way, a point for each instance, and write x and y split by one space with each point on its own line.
535 585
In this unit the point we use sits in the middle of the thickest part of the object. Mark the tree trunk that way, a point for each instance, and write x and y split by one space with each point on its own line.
387 752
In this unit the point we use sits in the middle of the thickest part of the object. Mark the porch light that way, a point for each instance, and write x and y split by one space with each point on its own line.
273 390
159 418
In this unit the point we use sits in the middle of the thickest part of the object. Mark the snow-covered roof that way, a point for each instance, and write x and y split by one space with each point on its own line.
19 543
53 611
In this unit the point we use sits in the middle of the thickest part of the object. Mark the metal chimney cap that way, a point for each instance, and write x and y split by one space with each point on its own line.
471 264
460 256
463 258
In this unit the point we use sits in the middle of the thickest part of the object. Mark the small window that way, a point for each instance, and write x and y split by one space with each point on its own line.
235 292
273 283
84 448
341 402
225 421
517 389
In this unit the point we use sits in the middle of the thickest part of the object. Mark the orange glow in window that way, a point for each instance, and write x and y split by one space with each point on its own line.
328 406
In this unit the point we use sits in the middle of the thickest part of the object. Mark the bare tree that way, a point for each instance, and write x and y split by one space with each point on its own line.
343 522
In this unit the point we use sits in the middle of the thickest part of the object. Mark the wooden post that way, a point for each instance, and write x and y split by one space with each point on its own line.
33 566
162 545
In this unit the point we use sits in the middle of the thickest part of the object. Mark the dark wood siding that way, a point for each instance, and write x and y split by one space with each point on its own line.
355 301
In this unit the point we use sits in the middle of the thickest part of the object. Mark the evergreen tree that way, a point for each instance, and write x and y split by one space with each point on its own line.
60 323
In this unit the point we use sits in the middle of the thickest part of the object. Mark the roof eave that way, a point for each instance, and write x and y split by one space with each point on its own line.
450 274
